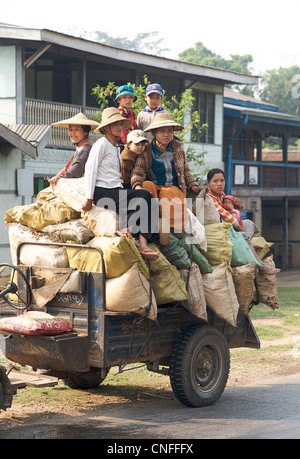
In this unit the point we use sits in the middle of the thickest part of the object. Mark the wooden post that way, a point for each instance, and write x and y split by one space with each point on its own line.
285 234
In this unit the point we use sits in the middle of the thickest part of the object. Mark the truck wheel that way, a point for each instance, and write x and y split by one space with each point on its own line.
86 380
199 366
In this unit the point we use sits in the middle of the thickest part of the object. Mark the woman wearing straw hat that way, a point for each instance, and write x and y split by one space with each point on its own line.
79 127
163 170
104 186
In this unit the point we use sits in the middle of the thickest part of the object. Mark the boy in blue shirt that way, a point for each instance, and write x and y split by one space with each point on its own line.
153 97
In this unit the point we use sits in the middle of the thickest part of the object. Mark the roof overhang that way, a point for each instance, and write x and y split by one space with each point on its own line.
31 139
91 47
263 116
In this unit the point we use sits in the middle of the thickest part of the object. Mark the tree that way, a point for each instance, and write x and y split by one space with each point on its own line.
199 54
281 87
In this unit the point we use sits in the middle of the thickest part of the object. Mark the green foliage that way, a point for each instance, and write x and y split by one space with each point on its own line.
277 88
181 110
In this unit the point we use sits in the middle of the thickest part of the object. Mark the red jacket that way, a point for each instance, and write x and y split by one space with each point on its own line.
129 114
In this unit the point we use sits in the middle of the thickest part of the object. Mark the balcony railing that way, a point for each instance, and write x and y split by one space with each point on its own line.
44 112
265 178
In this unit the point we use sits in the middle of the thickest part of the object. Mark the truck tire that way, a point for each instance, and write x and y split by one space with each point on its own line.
199 366
86 380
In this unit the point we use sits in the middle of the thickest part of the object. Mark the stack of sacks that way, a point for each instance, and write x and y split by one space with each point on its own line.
124 266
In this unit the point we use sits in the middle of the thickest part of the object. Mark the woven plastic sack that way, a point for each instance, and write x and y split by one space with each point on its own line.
220 293
196 302
38 216
175 253
193 250
130 293
244 283
219 245
195 231
119 255
241 251
168 286
34 323
205 209
73 230
265 246
267 286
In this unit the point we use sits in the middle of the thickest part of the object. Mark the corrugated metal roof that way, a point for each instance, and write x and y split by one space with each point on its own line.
29 138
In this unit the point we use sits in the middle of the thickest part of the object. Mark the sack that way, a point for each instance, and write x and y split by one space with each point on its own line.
102 222
267 286
195 231
205 210
161 263
119 255
196 302
74 230
168 286
193 250
244 283
34 323
241 251
219 245
38 216
175 253
265 246
220 293
30 255
130 293
71 191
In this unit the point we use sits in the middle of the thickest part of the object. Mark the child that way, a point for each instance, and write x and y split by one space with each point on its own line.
228 204
153 97
104 185
136 143
125 98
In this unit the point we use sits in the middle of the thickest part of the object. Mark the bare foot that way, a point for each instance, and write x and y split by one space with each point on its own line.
148 253
266 269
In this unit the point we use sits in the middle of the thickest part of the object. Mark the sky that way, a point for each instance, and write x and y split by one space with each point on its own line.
266 29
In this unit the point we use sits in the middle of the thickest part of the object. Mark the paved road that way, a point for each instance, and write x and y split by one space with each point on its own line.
269 410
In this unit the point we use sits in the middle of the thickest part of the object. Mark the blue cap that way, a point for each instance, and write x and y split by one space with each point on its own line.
125 89
154 88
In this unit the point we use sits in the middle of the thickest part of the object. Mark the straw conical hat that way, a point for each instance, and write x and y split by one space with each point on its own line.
112 115
79 119
164 120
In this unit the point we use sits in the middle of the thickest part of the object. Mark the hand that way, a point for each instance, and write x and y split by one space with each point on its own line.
53 180
197 189
87 205
138 187
237 203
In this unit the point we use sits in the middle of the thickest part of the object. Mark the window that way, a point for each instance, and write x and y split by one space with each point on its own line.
205 105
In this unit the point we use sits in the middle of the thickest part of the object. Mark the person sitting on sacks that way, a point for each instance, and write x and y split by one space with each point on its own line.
104 185
136 143
79 127
164 171
215 190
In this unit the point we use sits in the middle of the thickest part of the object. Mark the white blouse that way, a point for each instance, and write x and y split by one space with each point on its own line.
102 167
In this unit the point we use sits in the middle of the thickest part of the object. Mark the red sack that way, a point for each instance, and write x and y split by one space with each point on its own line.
34 323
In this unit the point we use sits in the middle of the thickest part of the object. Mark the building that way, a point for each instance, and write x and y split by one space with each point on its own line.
47 76
267 183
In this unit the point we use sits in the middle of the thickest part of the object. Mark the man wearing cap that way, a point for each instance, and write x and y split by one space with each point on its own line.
104 185
153 97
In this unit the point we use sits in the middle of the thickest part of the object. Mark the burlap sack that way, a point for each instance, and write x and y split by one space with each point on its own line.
220 293
267 286
73 230
244 283
130 293
196 302
168 286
